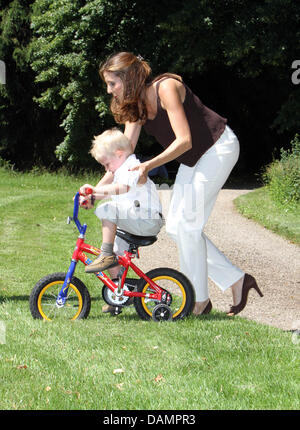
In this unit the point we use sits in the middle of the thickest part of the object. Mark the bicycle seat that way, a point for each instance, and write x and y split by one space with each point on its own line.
132 239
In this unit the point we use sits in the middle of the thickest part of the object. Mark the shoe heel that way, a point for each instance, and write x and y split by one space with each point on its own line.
207 309
258 290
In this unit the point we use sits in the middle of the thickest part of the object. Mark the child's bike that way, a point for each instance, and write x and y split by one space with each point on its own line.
161 294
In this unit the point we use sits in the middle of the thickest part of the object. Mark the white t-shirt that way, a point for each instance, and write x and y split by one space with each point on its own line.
146 195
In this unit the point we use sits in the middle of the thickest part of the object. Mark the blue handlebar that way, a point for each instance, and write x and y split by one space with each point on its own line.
81 228
76 206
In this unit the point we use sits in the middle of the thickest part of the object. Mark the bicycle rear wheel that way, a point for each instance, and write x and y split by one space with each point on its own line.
42 300
176 284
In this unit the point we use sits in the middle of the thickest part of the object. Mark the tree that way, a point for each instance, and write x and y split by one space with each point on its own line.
71 38
242 51
26 130
235 54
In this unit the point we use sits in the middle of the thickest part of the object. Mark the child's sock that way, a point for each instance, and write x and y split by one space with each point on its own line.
107 249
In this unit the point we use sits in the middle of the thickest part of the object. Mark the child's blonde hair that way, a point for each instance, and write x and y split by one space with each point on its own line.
107 143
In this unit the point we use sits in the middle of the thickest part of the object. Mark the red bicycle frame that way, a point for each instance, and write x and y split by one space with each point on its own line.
125 261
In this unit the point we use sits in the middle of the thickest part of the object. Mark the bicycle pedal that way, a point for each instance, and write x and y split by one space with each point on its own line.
116 311
129 302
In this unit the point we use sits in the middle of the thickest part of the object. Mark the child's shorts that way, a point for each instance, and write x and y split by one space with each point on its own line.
134 220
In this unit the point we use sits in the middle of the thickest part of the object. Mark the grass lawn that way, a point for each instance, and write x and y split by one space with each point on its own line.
105 362
258 206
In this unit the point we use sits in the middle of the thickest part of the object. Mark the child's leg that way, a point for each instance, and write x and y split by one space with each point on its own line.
107 259
108 237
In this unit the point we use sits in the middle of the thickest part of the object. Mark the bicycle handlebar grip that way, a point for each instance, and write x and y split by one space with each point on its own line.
87 191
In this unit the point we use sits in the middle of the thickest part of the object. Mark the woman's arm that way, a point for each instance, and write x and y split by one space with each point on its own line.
132 132
170 96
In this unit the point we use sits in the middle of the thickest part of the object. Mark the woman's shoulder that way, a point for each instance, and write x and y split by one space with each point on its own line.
170 84
167 79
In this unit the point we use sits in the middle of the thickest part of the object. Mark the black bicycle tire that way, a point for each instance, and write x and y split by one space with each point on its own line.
180 277
59 276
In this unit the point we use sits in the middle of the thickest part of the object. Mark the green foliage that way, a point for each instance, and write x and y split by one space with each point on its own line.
235 54
288 117
71 38
27 132
250 39
283 176
260 207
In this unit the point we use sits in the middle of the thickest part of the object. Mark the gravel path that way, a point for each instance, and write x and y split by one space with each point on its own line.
272 260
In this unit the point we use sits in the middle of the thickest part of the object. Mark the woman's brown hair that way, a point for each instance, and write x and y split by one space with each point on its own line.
135 74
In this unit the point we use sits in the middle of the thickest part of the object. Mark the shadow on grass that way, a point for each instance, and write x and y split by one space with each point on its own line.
122 316
127 313
214 316
26 298
4 299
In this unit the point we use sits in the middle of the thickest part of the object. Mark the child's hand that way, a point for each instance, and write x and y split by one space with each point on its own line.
83 189
86 202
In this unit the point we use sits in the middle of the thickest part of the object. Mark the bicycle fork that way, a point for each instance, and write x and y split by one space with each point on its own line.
62 296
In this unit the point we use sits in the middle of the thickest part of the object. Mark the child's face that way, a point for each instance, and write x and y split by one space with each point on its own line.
113 162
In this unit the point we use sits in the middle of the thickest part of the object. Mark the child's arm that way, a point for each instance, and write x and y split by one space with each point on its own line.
106 179
101 192
108 190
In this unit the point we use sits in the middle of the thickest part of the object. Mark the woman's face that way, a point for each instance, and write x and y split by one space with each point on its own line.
114 84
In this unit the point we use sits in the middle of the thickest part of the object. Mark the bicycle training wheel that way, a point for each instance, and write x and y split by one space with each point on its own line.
176 284
42 300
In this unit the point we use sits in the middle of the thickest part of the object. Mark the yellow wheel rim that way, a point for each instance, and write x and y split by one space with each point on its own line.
182 301
52 304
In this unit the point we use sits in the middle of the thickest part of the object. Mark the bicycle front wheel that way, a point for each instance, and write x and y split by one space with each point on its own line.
176 284
43 298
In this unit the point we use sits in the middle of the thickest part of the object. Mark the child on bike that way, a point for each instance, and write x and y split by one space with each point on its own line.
133 208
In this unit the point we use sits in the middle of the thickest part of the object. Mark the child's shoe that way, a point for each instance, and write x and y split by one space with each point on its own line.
101 263
113 310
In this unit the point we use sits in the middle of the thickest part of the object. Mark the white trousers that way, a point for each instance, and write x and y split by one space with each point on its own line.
194 195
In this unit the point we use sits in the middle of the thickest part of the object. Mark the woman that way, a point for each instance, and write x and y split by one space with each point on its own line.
206 148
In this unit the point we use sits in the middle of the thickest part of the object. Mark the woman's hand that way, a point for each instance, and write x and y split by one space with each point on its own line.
143 169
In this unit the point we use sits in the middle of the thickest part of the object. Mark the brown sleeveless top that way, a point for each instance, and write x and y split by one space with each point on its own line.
206 127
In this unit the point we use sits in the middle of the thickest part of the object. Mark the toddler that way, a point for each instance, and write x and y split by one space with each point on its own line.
133 208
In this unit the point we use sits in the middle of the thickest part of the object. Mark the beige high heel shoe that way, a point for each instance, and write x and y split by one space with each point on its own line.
206 310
